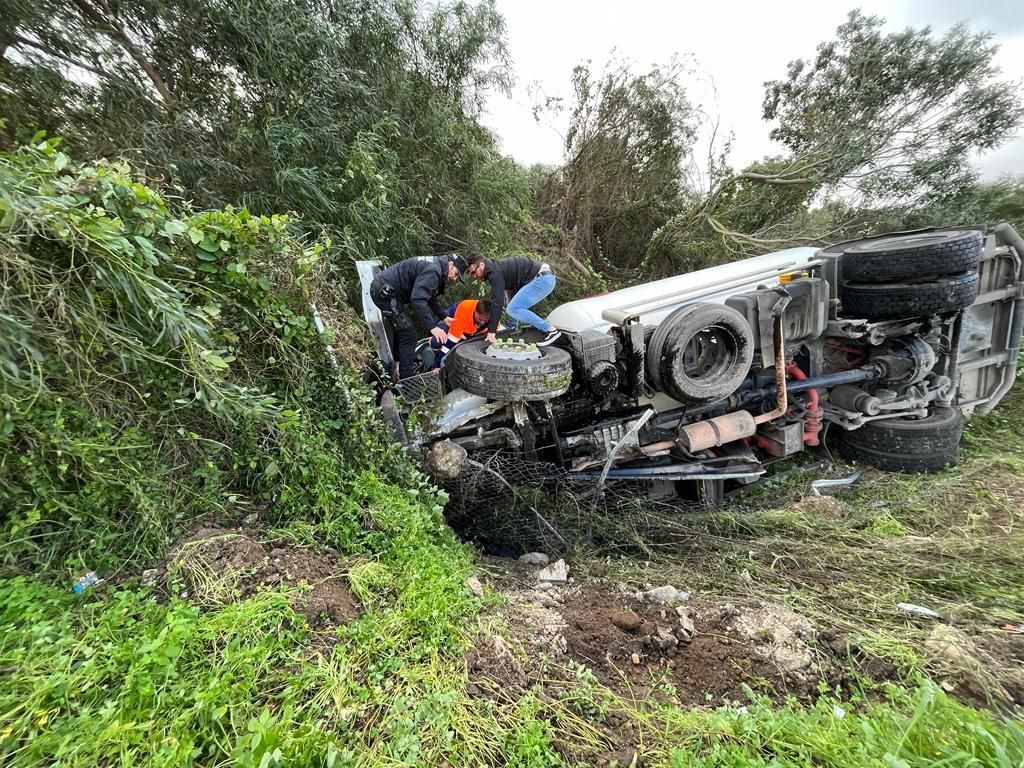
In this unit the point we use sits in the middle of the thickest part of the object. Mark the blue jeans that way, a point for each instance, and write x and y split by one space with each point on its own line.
530 295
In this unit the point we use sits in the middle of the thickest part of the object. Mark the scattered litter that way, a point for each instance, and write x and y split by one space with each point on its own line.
838 711
918 610
534 558
666 594
818 485
475 586
85 582
556 573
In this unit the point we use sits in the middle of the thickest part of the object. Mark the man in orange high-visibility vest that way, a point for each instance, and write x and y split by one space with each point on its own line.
462 320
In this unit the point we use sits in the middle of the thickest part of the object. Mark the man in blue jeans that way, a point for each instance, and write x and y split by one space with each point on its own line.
521 281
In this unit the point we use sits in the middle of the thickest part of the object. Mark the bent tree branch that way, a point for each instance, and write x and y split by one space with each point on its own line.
101 14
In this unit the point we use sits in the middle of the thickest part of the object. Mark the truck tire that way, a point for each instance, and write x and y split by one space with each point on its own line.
927 445
700 353
901 257
508 380
894 301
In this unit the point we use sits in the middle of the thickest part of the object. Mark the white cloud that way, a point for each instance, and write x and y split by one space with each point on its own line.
737 45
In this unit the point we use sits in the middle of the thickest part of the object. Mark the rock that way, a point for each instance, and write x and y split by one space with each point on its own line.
475 586
535 558
778 634
627 621
635 658
665 639
951 648
149 577
556 573
666 594
445 460
544 586
251 520
548 602
686 623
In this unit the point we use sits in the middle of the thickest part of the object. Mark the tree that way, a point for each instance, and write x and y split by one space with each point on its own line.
876 125
628 136
890 117
362 116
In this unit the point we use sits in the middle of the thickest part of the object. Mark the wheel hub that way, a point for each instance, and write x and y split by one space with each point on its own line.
513 349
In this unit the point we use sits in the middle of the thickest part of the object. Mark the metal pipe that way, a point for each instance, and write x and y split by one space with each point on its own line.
739 424
780 365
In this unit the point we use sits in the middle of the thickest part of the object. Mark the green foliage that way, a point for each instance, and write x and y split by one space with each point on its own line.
157 368
894 116
929 729
362 116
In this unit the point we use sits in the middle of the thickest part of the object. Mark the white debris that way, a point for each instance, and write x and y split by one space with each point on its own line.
149 577
918 610
534 558
556 573
475 586
666 594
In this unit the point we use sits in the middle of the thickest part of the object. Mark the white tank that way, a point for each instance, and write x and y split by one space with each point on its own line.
651 302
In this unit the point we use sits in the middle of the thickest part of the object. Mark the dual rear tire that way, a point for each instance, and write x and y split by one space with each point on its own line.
905 276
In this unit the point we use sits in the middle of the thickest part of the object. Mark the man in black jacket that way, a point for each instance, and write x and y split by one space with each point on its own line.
522 283
415 282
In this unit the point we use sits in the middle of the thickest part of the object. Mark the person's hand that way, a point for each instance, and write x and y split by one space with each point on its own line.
440 335
492 337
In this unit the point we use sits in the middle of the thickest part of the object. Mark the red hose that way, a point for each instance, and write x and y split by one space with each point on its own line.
812 426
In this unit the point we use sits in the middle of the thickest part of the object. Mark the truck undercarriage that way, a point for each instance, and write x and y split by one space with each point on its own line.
693 384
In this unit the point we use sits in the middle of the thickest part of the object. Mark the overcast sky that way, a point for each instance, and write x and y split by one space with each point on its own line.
737 46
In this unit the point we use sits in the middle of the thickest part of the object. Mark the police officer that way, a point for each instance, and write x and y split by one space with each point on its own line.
416 283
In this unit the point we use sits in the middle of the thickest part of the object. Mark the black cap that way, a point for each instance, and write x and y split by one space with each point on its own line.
459 262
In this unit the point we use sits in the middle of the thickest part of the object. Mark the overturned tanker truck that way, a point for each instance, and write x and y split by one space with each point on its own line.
693 384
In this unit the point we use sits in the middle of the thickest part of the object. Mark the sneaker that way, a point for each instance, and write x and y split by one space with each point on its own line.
552 336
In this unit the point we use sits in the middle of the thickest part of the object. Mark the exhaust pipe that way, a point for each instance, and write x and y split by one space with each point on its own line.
735 426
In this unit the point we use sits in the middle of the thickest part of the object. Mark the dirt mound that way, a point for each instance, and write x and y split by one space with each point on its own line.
701 651
705 650
219 565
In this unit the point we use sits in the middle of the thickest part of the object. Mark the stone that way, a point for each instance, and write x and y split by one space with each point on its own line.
475 586
666 594
544 586
445 460
149 577
686 623
535 558
556 573
627 621
635 658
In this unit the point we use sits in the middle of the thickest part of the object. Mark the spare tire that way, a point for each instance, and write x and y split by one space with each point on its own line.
907 445
900 257
895 301
508 380
700 353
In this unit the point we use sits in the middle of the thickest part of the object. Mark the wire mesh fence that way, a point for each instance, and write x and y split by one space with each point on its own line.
508 505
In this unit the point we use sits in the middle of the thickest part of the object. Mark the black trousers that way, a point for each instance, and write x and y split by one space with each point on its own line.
399 326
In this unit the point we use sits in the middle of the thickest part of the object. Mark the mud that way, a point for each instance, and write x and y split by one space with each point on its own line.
220 565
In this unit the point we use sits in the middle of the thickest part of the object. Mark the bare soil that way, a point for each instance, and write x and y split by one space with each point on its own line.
702 651
222 564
